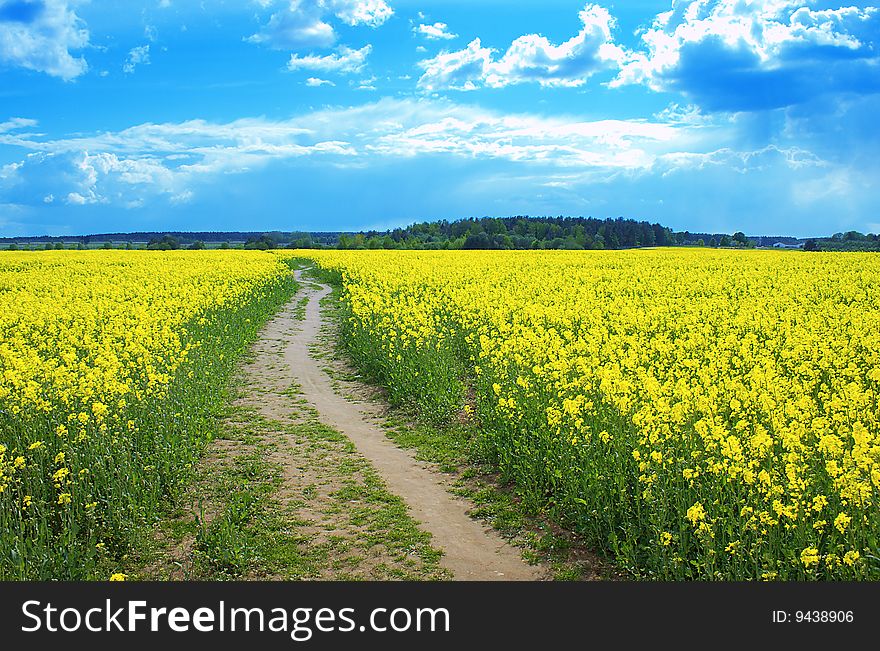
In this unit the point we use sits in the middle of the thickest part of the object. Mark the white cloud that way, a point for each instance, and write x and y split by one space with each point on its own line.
168 160
735 55
437 31
460 70
689 114
307 23
315 82
359 12
14 124
40 36
183 197
76 199
345 60
530 58
555 142
764 159
299 25
126 167
158 154
9 170
137 56
366 84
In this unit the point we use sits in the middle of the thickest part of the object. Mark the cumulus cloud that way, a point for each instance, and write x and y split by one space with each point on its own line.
460 70
307 23
437 31
137 56
40 34
345 60
359 12
530 58
315 82
300 24
731 55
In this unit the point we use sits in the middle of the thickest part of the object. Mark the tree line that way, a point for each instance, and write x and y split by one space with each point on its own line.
516 233
520 232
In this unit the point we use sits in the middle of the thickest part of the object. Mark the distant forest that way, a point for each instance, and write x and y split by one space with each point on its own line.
520 232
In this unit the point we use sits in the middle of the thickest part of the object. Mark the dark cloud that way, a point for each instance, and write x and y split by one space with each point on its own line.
24 11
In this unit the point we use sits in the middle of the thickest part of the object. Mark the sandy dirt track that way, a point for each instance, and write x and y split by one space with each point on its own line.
470 550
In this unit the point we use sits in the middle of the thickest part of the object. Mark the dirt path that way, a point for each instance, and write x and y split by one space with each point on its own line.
470 550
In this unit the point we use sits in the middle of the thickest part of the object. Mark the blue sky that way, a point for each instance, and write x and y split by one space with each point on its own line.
705 115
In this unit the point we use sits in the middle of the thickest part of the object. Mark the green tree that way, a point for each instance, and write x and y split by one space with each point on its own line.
164 243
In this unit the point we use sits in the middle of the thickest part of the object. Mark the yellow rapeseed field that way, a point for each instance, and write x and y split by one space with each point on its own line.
695 413
109 362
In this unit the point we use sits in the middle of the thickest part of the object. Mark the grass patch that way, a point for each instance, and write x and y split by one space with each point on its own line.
284 500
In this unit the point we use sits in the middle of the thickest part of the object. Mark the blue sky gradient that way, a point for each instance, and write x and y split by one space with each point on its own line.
705 115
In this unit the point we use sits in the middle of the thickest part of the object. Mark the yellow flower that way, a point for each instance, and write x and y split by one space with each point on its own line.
841 522
851 557
696 513
64 498
59 458
810 557
100 410
118 576
665 539
35 446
